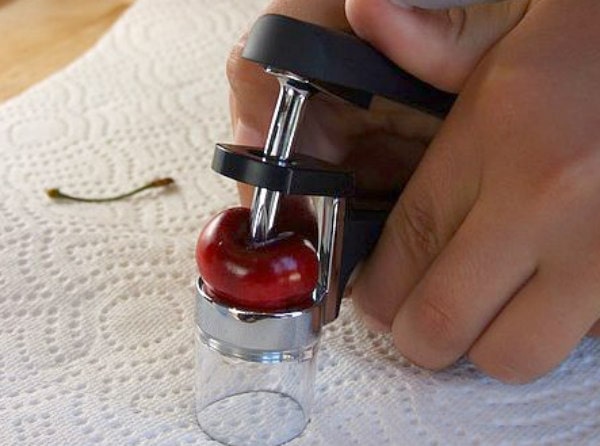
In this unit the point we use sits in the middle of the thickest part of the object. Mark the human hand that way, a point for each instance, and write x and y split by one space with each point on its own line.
402 284
493 250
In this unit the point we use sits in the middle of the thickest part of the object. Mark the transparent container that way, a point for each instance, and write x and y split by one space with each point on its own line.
255 372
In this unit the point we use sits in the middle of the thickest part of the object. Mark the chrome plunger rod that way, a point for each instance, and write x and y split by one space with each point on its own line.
293 93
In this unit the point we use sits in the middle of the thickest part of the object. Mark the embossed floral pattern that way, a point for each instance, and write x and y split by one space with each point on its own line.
97 303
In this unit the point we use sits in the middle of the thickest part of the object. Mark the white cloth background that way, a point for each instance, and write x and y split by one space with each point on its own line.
96 301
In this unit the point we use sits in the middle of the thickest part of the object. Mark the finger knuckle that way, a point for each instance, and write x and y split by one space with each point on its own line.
413 226
457 18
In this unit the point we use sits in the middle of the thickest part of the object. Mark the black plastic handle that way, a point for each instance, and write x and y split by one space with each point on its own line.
300 175
341 60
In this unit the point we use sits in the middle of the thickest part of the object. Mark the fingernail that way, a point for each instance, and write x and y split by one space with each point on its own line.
371 323
246 135
352 279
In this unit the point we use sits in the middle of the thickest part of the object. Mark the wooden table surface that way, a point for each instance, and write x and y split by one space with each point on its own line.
41 36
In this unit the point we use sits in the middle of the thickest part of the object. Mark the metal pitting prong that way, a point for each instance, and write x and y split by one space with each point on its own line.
290 105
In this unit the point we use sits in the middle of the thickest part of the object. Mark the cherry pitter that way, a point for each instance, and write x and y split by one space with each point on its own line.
271 277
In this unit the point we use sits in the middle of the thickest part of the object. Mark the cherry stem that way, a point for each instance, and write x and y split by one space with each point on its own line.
161 182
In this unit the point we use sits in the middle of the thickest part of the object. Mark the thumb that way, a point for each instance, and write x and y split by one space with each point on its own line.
438 46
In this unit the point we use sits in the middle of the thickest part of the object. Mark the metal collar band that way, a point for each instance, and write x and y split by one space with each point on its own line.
255 336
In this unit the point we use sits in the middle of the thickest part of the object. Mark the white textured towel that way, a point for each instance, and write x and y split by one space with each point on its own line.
96 301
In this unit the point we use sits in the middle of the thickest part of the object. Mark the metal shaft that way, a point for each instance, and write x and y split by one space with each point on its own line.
282 133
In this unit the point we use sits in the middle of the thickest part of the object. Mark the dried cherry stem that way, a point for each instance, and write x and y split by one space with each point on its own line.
161 182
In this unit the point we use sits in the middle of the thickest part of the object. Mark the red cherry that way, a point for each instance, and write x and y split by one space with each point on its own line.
277 275
296 215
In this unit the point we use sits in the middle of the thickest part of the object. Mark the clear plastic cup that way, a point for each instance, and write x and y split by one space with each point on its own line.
255 372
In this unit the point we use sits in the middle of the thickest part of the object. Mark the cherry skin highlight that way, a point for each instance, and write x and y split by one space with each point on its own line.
277 275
